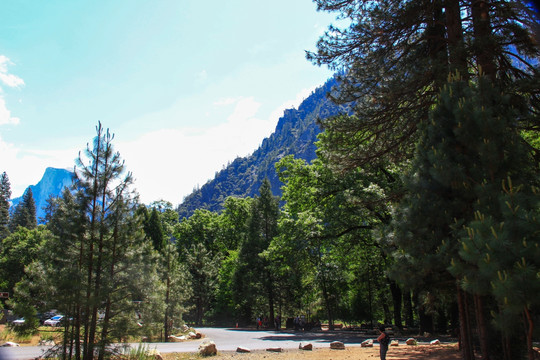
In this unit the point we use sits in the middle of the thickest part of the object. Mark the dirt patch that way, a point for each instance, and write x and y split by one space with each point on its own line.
420 352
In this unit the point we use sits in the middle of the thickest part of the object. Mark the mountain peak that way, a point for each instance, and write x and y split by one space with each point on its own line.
52 183
296 133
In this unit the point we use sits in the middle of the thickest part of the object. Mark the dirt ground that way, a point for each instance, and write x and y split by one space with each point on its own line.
420 352
402 352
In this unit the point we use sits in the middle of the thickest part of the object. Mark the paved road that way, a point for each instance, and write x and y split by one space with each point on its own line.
226 340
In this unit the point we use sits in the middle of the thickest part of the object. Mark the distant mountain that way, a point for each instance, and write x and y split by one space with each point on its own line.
296 133
51 184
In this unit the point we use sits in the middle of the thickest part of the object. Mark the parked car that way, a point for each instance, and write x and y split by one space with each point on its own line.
54 321
18 322
45 316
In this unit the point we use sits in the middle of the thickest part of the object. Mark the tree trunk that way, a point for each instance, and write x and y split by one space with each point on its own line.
99 265
407 304
454 31
107 316
387 312
396 301
435 32
167 295
482 37
271 303
442 321
482 327
425 320
465 342
530 332
326 298
454 319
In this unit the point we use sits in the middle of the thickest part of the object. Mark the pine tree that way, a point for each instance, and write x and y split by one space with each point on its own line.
504 208
467 149
203 267
254 273
96 262
177 289
394 57
501 253
25 212
5 195
154 230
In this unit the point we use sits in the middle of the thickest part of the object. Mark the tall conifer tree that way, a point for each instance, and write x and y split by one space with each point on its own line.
394 57
467 150
154 230
5 195
253 275
97 259
25 212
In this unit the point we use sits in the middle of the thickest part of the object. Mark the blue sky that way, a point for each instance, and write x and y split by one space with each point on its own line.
185 85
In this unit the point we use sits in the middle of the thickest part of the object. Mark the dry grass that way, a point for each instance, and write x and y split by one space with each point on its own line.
6 334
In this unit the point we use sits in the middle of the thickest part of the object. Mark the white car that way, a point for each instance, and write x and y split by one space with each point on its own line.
54 321
18 322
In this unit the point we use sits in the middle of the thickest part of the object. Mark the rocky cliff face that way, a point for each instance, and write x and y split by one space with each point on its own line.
296 133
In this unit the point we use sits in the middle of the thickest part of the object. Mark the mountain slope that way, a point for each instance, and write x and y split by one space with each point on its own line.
51 184
296 133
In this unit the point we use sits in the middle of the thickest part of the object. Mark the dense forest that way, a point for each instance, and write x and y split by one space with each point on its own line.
420 208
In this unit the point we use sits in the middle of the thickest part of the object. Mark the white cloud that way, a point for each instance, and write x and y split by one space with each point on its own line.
5 114
9 80
26 167
226 101
169 163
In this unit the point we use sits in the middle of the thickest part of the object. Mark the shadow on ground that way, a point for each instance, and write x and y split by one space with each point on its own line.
347 337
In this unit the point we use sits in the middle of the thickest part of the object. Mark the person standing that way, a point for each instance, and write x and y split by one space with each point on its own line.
384 340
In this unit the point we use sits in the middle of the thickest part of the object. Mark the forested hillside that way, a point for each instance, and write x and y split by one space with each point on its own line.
295 134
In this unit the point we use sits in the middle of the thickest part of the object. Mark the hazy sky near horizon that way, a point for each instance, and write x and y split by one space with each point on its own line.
186 86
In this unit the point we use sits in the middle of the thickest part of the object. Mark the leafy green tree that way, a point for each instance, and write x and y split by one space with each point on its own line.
224 306
25 212
198 240
203 266
234 222
19 249
159 227
254 274
326 225
203 227
5 195
26 311
149 294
